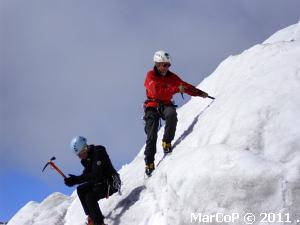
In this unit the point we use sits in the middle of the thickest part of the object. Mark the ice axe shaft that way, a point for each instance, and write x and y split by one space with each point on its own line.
57 169
52 164
213 98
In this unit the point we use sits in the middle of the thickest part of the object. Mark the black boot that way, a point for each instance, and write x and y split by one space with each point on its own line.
167 147
149 168
89 221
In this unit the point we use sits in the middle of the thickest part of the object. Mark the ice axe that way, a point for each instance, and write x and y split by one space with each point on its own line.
197 92
51 163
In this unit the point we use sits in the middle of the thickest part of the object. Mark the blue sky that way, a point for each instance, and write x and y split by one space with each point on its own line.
76 67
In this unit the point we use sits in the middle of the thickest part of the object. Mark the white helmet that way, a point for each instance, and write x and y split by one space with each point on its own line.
162 57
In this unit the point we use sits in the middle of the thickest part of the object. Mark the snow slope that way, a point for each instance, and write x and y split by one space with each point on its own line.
51 211
239 155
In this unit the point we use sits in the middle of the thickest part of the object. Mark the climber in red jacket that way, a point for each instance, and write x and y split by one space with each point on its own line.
161 84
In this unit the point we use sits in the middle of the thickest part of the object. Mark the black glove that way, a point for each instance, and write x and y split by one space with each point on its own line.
71 180
197 92
202 94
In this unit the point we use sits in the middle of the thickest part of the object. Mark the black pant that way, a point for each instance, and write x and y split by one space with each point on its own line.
152 116
89 195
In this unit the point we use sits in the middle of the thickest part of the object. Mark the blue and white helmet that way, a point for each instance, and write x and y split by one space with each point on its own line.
77 144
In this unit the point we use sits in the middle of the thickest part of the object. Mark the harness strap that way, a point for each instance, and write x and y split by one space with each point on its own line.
160 102
108 189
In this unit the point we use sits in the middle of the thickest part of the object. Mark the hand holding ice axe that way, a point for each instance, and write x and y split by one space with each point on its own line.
54 167
195 91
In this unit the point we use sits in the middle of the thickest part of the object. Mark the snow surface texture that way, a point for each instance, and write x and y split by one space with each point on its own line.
241 154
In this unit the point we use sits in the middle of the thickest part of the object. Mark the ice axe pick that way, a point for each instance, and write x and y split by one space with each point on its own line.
51 163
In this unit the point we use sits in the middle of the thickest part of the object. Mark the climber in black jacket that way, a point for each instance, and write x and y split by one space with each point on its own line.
98 180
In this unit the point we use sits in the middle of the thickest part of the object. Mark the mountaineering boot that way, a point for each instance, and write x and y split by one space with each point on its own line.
149 169
167 147
92 223
89 221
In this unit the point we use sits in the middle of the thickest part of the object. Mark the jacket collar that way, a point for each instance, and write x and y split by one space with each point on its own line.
91 151
157 73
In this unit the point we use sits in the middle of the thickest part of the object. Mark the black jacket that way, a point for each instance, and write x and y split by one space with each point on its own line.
97 167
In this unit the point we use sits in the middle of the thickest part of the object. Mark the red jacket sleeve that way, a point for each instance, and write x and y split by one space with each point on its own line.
189 89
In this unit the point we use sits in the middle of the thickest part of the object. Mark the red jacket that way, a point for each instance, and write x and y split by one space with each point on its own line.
160 89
